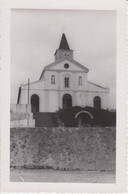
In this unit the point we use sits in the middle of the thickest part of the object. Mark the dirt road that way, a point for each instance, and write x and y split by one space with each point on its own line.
48 175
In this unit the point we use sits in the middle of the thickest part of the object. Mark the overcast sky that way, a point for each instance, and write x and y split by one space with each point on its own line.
36 34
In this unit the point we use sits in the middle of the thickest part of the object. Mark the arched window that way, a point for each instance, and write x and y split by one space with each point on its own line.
97 102
80 81
53 79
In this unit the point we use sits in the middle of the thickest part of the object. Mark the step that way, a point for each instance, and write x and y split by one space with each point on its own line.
45 119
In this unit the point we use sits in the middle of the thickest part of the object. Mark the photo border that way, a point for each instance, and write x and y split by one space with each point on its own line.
120 7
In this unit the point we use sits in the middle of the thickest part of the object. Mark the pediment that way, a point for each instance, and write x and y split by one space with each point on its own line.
71 65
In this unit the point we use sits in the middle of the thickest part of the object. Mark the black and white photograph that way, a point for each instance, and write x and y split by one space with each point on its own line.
63 96
64 105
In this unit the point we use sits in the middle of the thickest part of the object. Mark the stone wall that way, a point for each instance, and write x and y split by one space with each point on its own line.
21 116
88 148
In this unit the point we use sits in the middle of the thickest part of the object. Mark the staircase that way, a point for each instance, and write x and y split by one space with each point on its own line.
46 119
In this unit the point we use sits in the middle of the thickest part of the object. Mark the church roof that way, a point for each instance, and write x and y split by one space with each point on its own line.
106 88
63 43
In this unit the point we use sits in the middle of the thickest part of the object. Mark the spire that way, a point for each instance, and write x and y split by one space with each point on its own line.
63 43
63 51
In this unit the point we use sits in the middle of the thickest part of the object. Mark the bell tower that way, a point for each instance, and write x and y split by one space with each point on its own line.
63 51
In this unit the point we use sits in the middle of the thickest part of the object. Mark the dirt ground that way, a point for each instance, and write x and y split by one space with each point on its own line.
49 175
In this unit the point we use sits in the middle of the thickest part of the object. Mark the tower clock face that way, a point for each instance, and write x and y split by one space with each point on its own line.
66 65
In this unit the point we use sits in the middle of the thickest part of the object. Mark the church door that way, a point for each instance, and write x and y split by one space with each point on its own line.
67 101
35 103
97 102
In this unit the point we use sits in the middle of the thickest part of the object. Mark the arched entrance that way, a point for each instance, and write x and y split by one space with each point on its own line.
35 103
67 101
97 102
84 118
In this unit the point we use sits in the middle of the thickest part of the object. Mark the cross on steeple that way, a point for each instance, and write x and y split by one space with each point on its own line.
63 29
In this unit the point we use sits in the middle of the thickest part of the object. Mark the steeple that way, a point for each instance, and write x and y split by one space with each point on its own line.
64 50
63 43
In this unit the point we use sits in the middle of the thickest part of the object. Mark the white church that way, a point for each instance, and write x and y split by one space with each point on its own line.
62 84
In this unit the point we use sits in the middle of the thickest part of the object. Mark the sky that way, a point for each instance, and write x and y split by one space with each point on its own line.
36 34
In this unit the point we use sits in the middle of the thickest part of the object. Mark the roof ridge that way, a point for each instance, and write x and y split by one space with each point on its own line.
97 85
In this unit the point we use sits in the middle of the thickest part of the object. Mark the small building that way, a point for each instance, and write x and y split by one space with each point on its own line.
63 84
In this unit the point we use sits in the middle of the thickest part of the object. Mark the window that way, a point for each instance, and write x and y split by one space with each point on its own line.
66 65
66 54
53 79
66 82
80 81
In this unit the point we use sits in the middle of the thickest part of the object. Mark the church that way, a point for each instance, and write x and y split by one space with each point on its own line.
63 84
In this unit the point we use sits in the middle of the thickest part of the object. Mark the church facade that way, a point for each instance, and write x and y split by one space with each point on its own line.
62 84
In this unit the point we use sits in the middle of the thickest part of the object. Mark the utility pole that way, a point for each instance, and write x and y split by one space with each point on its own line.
28 90
28 105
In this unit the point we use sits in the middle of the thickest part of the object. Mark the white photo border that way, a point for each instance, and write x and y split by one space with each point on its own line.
120 7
